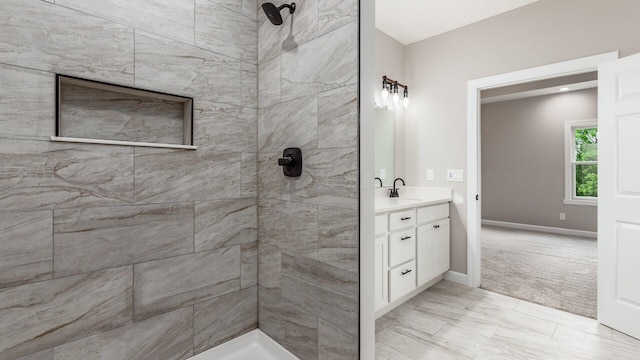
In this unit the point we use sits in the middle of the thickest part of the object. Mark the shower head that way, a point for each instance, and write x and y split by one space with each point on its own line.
273 12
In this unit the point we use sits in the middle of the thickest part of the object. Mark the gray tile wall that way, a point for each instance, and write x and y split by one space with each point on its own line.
308 226
114 252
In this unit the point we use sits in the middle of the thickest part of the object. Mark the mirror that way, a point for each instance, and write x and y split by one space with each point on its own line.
385 146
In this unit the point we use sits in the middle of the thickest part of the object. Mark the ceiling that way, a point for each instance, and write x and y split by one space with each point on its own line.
409 21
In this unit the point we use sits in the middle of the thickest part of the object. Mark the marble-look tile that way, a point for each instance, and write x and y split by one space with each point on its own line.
181 69
335 343
172 176
321 73
44 175
269 267
249 181
513 321
235 5
386 352
167 336
290 226
338 242
29 38
325 290
338 117
226 31
333 14
224 128
173 19
167 284
463 340
569 338
223 223
27 100
292 327
297 29
329 178
40 355
581 323
481 324
289 124
100 238
269 80
224 318
45 314
416 349
26 247
249 85
624 338
414 321
250 9
249 270
101 114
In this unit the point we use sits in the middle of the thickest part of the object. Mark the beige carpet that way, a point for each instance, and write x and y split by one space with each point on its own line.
552 270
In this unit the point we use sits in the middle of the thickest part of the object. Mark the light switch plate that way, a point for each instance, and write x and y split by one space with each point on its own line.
383 174
429 174
455 175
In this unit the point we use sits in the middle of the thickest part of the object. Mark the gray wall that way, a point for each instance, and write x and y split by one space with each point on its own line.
390 61
308 226
117 251
523 160
544 32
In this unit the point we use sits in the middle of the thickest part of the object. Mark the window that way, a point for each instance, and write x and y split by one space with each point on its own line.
581 164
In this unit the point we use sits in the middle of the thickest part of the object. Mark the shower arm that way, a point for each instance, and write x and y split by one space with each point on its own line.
291 7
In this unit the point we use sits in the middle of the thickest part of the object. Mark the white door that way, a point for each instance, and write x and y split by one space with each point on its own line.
619 195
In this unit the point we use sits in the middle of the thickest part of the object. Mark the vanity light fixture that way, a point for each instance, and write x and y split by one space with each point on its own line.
391 86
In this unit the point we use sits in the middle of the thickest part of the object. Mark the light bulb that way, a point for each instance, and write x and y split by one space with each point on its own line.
405 102
396 98
385 93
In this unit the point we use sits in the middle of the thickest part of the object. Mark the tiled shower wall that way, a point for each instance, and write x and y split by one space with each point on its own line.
308 226
121 252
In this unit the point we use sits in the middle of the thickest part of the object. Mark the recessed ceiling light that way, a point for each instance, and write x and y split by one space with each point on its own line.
564 89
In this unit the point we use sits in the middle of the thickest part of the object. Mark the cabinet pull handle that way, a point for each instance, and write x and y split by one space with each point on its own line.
405 218
405 272
405 238
436 226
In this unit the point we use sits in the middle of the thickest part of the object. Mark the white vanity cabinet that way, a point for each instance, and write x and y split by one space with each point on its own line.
411 249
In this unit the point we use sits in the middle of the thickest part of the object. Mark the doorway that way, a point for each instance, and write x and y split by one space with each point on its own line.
474 213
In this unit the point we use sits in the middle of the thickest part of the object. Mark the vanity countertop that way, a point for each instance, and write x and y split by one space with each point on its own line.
413 198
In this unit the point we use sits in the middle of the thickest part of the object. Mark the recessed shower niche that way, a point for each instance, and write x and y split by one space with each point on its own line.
95 112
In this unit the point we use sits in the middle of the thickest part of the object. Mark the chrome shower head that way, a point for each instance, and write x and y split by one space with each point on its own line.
273 12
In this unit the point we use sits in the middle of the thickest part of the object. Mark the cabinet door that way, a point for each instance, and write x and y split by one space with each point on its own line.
381 269
424 251
441 247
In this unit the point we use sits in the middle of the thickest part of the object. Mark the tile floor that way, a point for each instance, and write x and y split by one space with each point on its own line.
452 321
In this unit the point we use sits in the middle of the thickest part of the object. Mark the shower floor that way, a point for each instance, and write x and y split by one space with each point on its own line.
250 346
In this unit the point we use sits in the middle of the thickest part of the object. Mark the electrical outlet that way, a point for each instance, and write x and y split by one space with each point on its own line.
562 216
383 174
429 174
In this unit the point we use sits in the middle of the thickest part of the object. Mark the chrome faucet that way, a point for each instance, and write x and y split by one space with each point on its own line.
377 178
394 191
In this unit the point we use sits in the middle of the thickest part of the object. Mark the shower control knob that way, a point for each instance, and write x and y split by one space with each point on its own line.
285 161
291 162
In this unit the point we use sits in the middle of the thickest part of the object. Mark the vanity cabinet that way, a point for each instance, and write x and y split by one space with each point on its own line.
411 249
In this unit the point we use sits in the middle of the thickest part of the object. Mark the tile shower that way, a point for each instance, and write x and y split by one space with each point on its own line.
167 253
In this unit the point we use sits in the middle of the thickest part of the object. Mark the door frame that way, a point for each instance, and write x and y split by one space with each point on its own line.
474 215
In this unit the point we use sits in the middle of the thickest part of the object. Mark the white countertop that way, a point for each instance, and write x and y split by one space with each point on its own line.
411 197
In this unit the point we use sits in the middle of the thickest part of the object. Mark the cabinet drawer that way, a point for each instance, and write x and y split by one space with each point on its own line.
381 224
433 213
402 247
402 280
401 220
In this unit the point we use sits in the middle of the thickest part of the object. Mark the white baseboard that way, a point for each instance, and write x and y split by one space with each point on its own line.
456 277
547 229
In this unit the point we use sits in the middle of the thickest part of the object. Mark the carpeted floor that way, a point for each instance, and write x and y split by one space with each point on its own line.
552 270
